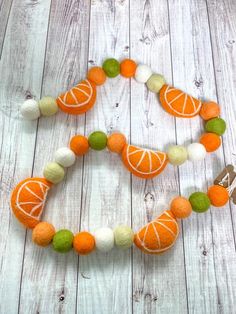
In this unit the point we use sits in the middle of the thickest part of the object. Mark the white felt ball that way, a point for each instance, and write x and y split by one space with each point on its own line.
142 73
30 110
64 157
104 239
196 151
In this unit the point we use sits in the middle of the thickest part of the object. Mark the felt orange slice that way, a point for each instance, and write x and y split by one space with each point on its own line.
178 103
143 163
158 235
28 199
78 99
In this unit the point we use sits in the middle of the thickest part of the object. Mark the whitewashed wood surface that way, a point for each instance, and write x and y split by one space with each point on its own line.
46 47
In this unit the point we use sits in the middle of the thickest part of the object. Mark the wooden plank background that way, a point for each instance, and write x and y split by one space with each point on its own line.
45 48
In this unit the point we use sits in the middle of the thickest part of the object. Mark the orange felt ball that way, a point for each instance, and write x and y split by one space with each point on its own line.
218 195
79 145
97 75
181 207
211 141
128 68
43 233
84 243
116 142
209 110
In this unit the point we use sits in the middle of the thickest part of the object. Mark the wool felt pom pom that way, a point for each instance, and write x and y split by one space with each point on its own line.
155 83
79 145
181 207
43 233
97 140
116 142
142 73
218 195
111 67
64 157
48 106
53 172
216 125
104 239
62 241
209 110
128 68
30 110
200 202
97 75
124 236
177 155
196 151
84 243
211 141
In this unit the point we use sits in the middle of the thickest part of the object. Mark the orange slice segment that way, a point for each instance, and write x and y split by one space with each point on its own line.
28 199
178 103
78 99
143 163
158 235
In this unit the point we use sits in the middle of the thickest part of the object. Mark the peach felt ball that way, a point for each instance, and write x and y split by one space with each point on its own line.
181 207
97 75
211 141
209 110
79 145
116 142
43 233
84 243
128 68
218 195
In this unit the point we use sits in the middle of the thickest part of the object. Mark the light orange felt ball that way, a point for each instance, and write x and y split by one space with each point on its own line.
218 195
84 243
181 207
211 141
116 142
209 110
97 75
128 68
43 233
79 145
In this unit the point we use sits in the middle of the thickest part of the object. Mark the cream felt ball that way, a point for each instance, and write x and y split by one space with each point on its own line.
64 157
124 236
177 155
142 73
196 151
155 82
104 239
48 106
30 110
53 172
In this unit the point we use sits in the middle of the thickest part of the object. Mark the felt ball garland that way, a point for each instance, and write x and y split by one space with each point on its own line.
29 196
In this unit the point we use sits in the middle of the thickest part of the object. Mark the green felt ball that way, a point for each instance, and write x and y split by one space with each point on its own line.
97 140
124 236
62 241
155 82
216 125
200 202
48 106
54 172
177 155
111 67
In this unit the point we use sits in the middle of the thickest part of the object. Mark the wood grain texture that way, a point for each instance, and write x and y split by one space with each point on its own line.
65 65
106 184
21 69
47 47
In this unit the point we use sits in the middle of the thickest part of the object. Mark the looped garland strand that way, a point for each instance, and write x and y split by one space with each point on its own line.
29 196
